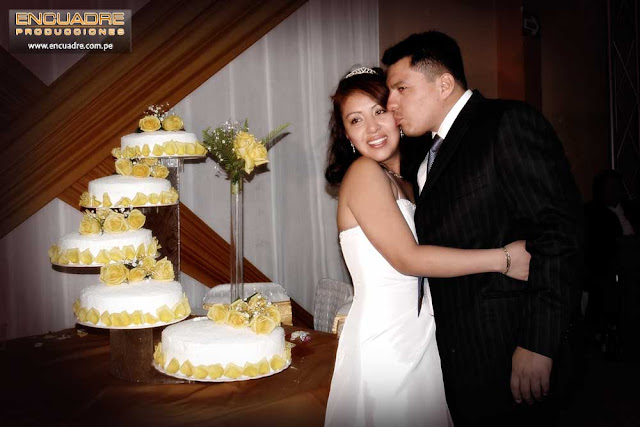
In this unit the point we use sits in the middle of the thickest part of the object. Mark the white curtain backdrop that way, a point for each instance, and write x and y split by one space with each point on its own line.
290 229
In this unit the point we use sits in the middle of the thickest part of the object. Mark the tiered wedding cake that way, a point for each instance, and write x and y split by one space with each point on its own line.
135 290
236 341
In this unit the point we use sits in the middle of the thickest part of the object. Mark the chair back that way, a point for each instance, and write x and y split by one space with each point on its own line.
330 295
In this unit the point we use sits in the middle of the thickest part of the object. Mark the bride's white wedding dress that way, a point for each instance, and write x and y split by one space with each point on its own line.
387 370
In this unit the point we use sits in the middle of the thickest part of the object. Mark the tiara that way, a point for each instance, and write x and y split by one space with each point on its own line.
361 70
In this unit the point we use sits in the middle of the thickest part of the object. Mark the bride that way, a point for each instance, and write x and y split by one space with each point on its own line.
387 370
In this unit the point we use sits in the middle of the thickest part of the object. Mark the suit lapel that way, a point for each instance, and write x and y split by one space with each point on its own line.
452 142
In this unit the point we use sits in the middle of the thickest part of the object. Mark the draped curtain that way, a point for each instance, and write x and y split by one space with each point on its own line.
290 229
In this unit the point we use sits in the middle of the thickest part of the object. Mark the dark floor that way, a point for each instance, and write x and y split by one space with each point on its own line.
610 391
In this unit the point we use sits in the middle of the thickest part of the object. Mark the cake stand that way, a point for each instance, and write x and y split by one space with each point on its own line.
131 350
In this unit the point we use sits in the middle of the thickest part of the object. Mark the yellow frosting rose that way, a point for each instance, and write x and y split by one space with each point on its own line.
115 223
163 270
261 324
218 313
201 150
89 225
149 124
233 371
158 355
167 198
238 319
152 249
172 122
73 255
113 274
141 252
170 148
85 199
124 202
148 263
124 167
273 313
129 252
137 274
150 161
141 170
116 152
116 254
102 257
106 201
277 363
157 150
146 150
86 257
136 219
154 198
256 302
129 153
215 371
159 171
103 213
140 199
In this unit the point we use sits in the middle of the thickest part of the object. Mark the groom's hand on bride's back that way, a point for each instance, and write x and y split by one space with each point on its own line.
530 373
520 259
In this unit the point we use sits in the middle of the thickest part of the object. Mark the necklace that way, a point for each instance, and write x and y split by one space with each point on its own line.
391 172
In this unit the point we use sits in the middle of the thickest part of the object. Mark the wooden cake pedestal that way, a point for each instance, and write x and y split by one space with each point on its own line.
131 357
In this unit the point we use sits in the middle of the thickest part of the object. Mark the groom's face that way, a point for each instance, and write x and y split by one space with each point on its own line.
414 100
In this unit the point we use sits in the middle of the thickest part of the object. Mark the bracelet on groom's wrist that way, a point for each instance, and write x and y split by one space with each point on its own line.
508 257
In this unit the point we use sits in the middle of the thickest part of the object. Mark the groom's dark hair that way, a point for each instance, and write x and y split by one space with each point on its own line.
432 53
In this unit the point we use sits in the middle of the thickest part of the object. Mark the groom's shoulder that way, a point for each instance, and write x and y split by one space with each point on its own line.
510 107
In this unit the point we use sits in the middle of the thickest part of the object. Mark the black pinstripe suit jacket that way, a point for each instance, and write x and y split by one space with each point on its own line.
500 175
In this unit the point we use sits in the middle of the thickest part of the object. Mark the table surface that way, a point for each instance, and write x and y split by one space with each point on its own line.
63 378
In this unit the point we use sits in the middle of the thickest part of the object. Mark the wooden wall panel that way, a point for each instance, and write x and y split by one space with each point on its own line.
177 45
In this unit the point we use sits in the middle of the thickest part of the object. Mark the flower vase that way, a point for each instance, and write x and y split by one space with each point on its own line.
236 242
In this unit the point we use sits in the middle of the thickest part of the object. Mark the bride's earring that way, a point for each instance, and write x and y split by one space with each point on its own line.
352 147
401 133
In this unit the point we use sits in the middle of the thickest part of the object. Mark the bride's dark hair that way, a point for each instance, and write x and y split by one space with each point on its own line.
340 153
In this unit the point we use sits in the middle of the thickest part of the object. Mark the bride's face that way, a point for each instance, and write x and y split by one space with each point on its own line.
369 126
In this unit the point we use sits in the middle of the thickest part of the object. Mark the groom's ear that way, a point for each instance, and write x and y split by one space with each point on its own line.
446 85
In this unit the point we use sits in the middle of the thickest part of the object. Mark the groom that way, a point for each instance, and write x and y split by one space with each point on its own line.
494 172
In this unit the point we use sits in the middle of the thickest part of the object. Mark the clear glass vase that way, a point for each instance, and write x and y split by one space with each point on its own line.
236 242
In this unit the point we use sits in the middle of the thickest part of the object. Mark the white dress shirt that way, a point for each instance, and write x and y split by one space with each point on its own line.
446 124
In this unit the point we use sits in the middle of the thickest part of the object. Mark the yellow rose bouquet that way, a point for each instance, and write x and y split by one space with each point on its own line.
255 312
238 151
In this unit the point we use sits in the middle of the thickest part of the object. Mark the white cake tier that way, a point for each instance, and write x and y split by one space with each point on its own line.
106 241
156 302
119 186
204 342
187 143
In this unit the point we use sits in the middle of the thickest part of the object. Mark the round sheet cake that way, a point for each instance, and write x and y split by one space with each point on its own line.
104 248
132 305
163 143
202 350
139 191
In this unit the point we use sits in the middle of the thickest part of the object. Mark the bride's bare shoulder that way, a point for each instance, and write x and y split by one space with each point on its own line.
362 170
